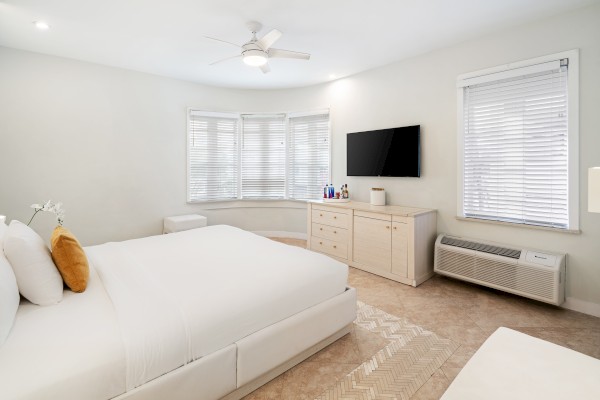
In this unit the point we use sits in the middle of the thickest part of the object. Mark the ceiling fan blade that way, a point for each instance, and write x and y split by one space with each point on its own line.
225 59
280 53
223 41
269 39
265 68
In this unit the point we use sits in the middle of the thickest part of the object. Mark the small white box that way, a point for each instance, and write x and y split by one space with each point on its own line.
377 197
183 223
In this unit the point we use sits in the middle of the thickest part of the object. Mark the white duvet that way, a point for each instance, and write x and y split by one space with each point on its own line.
182 296
155 304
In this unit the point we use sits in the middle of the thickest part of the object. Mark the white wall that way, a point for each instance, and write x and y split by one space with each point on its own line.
423 91
110 143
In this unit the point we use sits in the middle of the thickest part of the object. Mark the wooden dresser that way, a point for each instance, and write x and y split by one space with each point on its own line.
391 241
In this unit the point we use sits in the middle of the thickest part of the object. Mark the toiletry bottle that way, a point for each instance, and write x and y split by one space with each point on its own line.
326 191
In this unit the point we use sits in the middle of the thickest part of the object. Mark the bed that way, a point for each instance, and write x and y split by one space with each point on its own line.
208 313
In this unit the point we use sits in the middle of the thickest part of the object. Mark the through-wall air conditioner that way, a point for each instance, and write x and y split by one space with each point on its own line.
539 275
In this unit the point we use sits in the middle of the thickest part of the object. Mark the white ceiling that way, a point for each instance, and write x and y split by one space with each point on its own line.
344 36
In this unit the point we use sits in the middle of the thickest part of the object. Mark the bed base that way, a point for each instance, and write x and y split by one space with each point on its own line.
275 372
237 370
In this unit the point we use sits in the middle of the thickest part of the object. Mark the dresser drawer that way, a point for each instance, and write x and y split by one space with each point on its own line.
330 218
330 232
330 247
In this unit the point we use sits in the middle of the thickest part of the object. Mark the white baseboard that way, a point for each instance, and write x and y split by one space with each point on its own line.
282 234
586 307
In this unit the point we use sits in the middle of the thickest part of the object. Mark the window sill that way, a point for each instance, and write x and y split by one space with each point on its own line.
539 228
224 204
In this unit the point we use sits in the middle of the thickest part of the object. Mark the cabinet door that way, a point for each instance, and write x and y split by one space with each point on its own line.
373 243
400 249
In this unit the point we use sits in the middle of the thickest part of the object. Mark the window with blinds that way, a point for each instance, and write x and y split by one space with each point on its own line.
257 156
515 150
212 156
308 160
263 157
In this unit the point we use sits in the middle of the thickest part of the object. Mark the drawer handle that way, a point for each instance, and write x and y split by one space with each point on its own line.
320 229
387 227
334 217
320 215
334 231
395 227
320 242
334 246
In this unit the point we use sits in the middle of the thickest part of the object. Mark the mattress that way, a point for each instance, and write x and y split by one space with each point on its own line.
72 350
182 296
512 365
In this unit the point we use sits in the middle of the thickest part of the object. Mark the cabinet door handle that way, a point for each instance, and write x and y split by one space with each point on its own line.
387 227
334 231
334 217
320 229
320 215
334 246
320 242
395 227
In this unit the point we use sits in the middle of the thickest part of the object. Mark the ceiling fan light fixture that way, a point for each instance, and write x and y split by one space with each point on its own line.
254 58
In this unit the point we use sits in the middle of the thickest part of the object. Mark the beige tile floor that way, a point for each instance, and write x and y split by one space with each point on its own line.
462 312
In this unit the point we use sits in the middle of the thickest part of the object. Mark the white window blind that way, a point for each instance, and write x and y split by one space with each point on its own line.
308 156
263 157
515 155
212 156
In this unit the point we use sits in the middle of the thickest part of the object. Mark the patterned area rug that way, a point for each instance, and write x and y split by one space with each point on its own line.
398 370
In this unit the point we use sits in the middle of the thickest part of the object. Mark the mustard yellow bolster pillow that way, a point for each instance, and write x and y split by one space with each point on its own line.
70 259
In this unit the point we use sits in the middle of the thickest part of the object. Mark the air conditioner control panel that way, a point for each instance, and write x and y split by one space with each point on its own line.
536 257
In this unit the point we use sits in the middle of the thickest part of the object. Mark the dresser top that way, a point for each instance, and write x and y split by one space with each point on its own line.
394 210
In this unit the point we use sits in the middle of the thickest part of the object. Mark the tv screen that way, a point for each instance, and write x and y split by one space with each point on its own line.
385 152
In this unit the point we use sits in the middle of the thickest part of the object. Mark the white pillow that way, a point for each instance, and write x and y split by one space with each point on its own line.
9 295
37 277
3 229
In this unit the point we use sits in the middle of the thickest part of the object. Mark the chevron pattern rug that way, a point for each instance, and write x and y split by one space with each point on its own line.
398 370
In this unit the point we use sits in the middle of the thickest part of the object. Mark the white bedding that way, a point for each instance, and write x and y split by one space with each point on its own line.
72 350
185 295
156 303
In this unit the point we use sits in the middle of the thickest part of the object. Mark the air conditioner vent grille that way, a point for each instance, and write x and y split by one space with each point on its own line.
516 278
484 248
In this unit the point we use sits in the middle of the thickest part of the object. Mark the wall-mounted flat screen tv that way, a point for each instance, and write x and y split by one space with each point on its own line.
385 152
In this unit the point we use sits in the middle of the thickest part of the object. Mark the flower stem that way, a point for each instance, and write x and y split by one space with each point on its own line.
36 211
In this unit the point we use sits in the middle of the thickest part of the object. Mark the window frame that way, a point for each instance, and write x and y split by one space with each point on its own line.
572 136
251 202
329 147
231 115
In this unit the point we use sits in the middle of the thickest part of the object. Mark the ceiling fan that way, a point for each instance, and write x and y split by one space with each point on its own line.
257 52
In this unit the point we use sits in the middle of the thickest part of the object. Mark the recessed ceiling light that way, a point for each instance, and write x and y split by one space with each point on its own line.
41 25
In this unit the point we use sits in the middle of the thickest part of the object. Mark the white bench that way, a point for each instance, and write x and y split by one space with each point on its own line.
183 223
515 366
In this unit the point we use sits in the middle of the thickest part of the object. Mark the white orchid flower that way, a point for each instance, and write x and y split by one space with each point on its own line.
55 208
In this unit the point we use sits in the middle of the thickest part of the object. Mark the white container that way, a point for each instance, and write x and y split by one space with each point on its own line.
2 219
377 197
